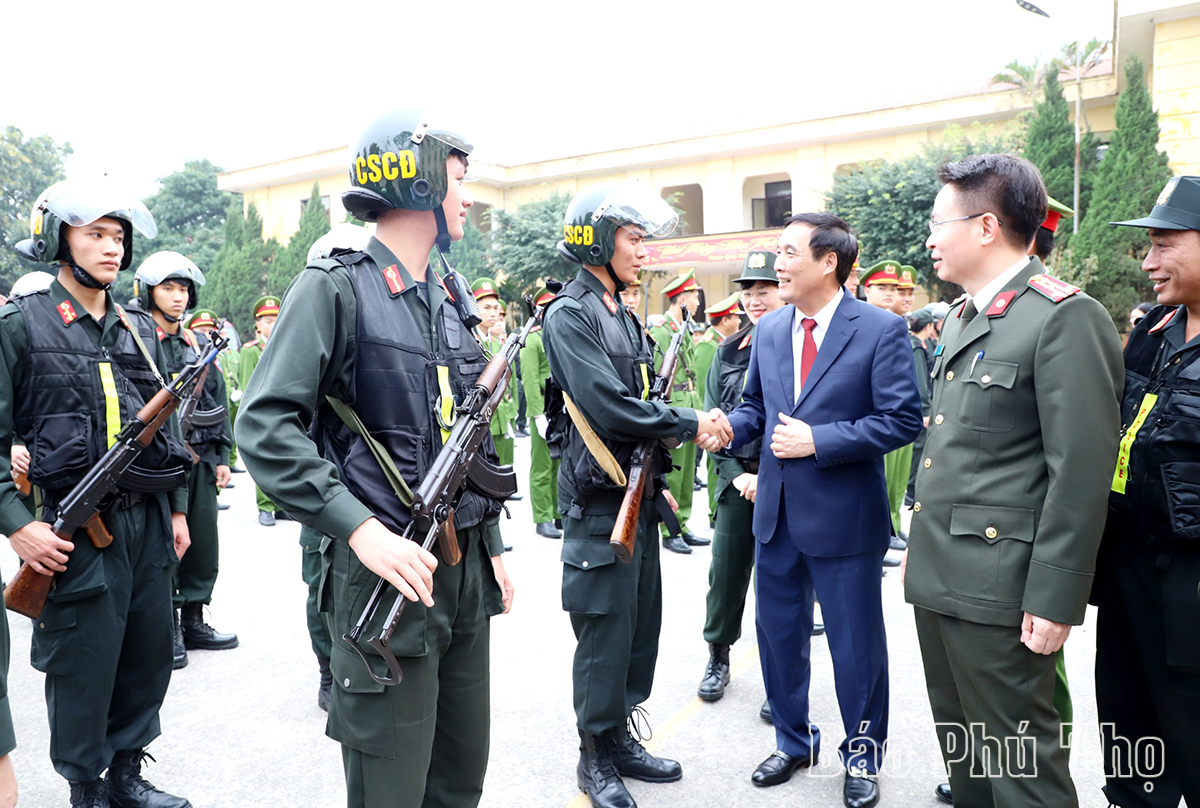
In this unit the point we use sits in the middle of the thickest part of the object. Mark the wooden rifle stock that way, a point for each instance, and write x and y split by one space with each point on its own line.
26 593
22 481
625 530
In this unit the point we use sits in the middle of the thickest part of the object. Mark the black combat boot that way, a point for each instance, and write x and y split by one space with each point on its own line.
89 795
597 774
128 789
323 693
198 634
716 675
180 653
632 759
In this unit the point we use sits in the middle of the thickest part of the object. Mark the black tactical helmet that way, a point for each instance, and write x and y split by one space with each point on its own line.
399 161
594 215
79 203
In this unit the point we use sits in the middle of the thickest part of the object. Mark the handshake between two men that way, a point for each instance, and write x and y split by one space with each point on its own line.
791 438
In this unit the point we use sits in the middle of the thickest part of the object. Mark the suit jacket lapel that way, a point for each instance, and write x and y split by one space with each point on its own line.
782 340
841 329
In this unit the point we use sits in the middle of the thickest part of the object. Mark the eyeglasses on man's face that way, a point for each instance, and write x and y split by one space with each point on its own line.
935 225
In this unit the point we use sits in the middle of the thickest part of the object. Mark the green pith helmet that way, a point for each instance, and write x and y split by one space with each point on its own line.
485 287
78 204
758 266
598 211
163 266
399 161
266 305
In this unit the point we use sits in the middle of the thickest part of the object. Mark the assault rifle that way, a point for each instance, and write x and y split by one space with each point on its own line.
191 416
434 500
80 508
625 530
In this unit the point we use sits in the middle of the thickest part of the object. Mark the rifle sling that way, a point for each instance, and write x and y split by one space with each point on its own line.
596 446
350 419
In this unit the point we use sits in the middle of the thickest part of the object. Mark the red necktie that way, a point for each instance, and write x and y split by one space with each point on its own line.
810 348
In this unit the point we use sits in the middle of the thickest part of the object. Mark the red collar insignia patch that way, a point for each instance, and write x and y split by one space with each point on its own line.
745 342
121 316
67 312
612 304
391 276
162 335
1052 288
1161 324
1000 305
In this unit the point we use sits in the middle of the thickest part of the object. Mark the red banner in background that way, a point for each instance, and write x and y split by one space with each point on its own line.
709 249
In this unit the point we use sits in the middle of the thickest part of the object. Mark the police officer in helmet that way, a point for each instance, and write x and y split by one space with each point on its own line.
73 368
372 337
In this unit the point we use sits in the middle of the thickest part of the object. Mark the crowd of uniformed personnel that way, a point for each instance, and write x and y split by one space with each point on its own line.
347 392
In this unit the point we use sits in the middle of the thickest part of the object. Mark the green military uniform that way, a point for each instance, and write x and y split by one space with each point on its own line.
1011 500
705 350
104 637
543 470
685 392
248 359
441 707
506 410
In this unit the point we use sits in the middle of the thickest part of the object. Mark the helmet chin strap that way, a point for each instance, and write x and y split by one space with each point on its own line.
620 284
82 277
443 234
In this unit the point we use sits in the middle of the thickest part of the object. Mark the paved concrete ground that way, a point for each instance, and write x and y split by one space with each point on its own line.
241 727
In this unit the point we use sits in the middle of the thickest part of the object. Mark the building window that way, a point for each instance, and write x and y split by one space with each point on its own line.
773 207
324 204
689 201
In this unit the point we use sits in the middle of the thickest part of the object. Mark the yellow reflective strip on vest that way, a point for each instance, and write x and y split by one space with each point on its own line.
447 399
112 405
1121 474
645 381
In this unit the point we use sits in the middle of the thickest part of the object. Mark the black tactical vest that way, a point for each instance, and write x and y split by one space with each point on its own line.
579 474
397 391
732 378
1160 460
75 397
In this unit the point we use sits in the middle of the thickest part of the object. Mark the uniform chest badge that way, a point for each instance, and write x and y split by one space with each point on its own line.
67 312
391 277
1000 305
745 343
610 303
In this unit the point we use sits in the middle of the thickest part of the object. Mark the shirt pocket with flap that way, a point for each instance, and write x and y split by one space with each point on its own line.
986 403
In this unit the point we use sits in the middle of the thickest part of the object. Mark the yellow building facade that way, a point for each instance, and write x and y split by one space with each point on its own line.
734 187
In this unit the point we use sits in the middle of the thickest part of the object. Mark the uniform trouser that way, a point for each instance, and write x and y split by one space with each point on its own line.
787 581
8 737
1062 694
104 641
730 569
616 613
310 571
196 574
423 742
896 465
993 709
504 449
1148 674
918 450
264 502
543 478
681 481
713 482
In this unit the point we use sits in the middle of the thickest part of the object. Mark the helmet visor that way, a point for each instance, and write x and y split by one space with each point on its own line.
633 203
81 203
445 127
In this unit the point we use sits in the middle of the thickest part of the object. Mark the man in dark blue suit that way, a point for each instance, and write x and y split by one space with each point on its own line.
831 380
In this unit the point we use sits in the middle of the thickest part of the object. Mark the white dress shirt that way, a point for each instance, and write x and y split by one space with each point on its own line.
983 298
823 318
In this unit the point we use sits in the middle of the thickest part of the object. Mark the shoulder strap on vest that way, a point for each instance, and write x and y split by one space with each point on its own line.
141 345
395 479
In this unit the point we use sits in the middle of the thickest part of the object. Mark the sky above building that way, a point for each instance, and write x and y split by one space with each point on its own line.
137 88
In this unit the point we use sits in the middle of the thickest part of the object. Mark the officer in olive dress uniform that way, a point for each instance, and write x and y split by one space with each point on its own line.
724 318
265 310
906 289
601 361
1012 491
371 341
543 470
487 296
685 392
882 284
73 369
737 477
1147 586
165 286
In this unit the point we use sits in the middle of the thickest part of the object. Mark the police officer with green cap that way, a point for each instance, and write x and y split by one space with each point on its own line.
73 368
1147 587
724 318
265 310
601 362
685 392
370 341
487 297
165 287
207 321
737 479
543 469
